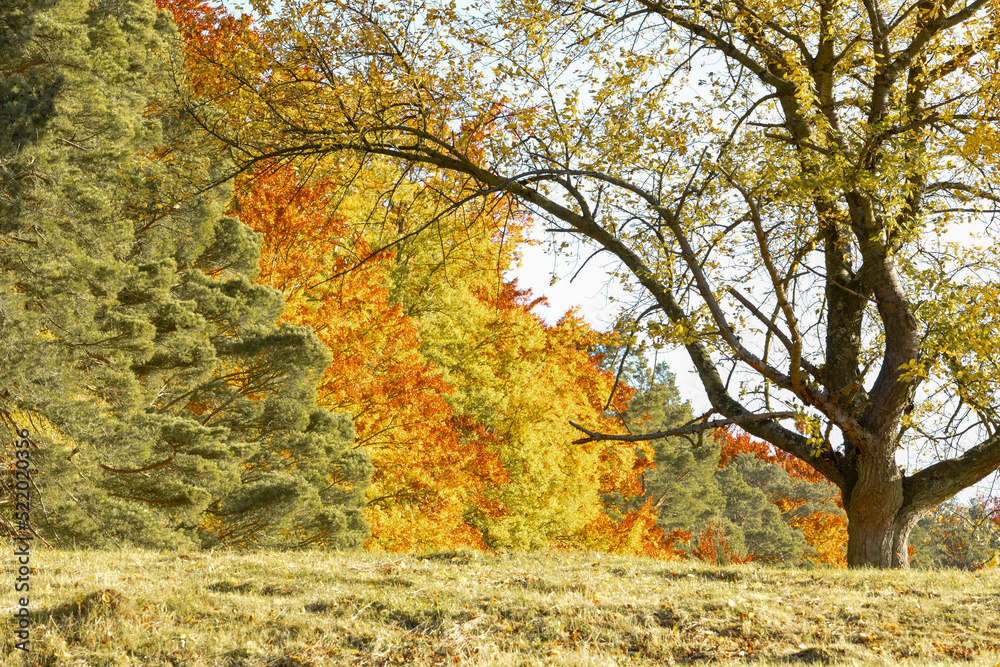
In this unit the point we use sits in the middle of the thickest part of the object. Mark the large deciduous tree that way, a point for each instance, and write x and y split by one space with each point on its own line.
782 179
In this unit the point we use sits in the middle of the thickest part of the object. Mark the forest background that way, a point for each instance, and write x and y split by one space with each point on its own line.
287 359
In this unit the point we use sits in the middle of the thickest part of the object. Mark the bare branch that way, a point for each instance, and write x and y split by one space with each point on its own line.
594 436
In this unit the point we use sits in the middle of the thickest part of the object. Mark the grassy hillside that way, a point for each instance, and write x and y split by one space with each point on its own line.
284 609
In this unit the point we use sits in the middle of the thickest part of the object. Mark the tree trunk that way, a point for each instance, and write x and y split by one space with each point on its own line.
904 523
873 508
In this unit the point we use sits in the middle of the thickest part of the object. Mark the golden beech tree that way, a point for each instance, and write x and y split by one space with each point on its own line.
793 186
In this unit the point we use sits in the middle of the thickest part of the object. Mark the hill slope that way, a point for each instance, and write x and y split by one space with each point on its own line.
308 608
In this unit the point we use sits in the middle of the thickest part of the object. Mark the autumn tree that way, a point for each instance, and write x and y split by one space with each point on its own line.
459 391
430 467
785 182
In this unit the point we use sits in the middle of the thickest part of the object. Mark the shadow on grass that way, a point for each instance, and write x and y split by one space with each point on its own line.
99 603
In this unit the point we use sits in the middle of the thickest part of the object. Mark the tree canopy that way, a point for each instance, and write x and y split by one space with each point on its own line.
793 186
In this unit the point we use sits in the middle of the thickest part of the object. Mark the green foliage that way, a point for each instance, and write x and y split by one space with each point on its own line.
166 403
754 525
27 100
955 536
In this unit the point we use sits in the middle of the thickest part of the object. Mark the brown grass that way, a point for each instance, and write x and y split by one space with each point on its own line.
309 608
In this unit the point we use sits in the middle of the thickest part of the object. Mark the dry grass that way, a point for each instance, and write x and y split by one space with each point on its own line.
285 609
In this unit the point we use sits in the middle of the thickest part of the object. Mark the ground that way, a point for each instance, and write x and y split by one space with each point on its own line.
559 608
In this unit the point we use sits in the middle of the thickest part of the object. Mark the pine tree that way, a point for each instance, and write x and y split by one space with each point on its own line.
166 403
755 528
679 480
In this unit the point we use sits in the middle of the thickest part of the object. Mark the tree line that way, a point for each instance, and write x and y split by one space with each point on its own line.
215 339
801 195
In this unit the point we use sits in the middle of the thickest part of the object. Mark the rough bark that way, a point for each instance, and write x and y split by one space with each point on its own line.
902 526
872 507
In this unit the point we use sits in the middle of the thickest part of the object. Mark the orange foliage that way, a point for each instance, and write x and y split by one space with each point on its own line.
735 441
827 534
712 546
212 38
638 534
429 464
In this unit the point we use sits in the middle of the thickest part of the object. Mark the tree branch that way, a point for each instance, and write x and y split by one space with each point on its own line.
594 436
939 482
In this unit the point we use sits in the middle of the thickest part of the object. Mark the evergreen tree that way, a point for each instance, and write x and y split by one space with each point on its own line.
26 99
166 403
755 527
741 509
681 482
